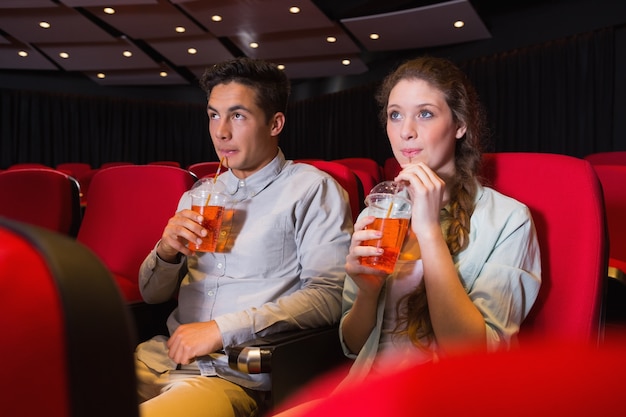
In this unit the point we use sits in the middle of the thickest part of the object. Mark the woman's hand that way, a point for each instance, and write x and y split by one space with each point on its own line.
427 191
368 279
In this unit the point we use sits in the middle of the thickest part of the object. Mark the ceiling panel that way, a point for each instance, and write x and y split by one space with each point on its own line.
303 43
208 50
254 17
421 27
10 59
98 57
66 25
158 20
95 40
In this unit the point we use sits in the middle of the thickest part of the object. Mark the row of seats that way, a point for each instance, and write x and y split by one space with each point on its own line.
574 262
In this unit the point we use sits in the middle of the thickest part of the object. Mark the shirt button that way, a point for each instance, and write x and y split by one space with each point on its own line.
210 293
220 266
223 233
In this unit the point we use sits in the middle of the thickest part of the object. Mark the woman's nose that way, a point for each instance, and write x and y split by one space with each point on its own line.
408 131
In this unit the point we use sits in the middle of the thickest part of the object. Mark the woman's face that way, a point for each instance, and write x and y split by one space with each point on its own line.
420 126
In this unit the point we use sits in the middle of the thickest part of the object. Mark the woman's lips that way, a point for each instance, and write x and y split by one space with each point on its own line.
410 153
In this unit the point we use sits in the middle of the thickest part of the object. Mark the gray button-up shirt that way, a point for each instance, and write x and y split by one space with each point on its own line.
279 265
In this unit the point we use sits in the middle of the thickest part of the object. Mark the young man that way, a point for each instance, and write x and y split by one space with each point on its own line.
282 266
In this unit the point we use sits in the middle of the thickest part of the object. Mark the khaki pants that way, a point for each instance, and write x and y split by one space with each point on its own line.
188 394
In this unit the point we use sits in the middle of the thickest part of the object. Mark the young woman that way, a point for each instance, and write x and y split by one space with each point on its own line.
469 270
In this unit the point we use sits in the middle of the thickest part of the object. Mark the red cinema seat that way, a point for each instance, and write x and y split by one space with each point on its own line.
68 341
43 197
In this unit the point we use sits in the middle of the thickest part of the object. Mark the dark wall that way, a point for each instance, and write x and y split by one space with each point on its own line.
336 117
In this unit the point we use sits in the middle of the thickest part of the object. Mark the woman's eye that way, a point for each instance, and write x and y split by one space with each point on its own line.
425 114
394 115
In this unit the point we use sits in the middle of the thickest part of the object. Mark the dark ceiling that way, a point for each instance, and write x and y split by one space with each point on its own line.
138 44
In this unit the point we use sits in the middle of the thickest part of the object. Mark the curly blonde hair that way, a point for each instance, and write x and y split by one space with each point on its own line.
461 97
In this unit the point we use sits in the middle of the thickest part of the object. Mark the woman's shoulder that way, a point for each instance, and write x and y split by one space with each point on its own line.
493 204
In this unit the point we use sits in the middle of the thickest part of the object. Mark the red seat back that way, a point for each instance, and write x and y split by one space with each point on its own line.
365 165
126 213
42 197
613 179
67 340
74 168
565 198
391 168
204 169
607 158
167 163
346 178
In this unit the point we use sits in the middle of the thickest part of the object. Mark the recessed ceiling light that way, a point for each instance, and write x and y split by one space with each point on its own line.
109 10
459 24
23 54
216 18
64 55
346 62
280 66
192 51
331 39
374 36
44 25
127 54
163 74
294 10
254 45
100 75
180 29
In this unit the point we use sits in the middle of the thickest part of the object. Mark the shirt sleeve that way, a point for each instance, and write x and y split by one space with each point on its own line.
508 280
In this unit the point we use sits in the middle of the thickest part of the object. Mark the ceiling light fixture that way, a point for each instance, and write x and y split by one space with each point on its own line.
109 10
64 55
100 75
192 51
127 54
346 62
23 54
216 18
163 74
280 67
459 24
294 10
44 25
374 36
180 29
254 45
331 39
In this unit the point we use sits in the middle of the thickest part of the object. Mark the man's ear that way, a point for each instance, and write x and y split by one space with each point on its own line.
277 123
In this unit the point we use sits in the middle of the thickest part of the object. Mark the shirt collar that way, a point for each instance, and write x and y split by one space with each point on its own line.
256 182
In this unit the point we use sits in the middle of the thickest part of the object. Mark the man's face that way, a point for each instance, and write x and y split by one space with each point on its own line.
239 130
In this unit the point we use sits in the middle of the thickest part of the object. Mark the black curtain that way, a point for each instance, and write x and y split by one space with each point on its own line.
51 128
555 97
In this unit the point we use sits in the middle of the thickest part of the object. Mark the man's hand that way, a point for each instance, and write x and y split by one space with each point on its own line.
194 339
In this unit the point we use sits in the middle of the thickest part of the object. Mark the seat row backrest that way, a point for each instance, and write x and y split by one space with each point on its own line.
68 342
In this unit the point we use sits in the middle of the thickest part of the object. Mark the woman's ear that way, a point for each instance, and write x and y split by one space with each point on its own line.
460 131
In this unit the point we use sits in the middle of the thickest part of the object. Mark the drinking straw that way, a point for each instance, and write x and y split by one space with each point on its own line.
390 206
217 173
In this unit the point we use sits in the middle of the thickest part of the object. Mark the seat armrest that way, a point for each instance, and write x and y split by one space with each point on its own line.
291 358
